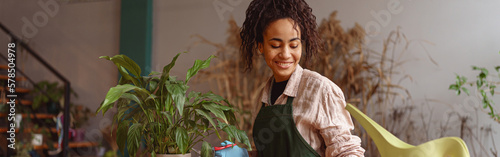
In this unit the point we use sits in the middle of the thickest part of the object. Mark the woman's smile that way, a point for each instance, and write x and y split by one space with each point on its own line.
284 65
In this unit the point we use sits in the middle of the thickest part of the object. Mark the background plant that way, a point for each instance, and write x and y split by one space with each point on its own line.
158 109
485 84
367 77
81 115
45 92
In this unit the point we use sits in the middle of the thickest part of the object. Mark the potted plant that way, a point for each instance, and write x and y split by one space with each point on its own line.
23 148
81 116
158 111
50 94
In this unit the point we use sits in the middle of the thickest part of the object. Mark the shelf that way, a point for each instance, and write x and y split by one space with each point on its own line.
70 144
23 102
38 115
19 78
4 67
18 90
27 130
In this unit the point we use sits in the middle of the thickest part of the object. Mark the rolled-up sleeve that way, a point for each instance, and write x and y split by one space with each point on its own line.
334 124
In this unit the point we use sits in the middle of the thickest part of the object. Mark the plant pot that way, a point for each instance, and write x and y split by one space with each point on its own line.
19 118
79 135
174 155
37 140
101 151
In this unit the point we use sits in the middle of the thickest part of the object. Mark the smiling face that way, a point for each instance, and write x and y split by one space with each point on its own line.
282 48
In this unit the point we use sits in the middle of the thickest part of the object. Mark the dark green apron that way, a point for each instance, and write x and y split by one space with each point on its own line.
275 134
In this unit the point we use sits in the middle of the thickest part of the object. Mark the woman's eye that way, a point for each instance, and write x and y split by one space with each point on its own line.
275 46
294 46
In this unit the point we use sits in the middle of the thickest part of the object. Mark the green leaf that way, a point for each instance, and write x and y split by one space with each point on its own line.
181 138
178 93
223 108
168 103
231 118
169 117
127 76
153 84
121 134
207 117
122 111
483 93
151 97
114 94
206 150
214 108
479 83
213 96
122 81
127 63
190 124
201 127
105 57
166 69
453 87
154 73
123 63
132 97
197 66
243 138
206 124
485 71
230 130
457 80
233 132
134 138
463 80
482 75
466 90
194 95
497 68
492 89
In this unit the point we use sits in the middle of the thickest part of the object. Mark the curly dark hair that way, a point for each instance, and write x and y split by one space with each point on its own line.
261 13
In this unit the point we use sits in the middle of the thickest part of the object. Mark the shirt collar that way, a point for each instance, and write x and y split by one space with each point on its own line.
291 87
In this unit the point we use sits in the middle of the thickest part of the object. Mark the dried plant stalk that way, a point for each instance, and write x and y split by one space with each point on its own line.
240 88
364 75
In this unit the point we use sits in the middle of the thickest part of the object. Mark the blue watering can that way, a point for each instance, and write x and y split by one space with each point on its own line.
229 149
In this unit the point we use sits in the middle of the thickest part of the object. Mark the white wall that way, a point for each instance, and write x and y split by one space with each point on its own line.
456 34
174 22
71 41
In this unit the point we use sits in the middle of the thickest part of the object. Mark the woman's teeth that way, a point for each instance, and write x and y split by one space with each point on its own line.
283 64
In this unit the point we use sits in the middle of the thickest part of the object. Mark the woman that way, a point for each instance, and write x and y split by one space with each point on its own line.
302 112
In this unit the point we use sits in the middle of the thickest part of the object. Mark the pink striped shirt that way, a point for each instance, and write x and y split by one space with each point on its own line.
319 113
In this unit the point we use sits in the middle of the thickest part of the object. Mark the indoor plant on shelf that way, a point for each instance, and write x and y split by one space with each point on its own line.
81 115
157 110
50 94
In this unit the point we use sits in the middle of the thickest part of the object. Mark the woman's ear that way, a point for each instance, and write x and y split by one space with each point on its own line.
260 47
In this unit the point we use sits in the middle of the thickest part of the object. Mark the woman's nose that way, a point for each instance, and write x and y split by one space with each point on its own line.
285 53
